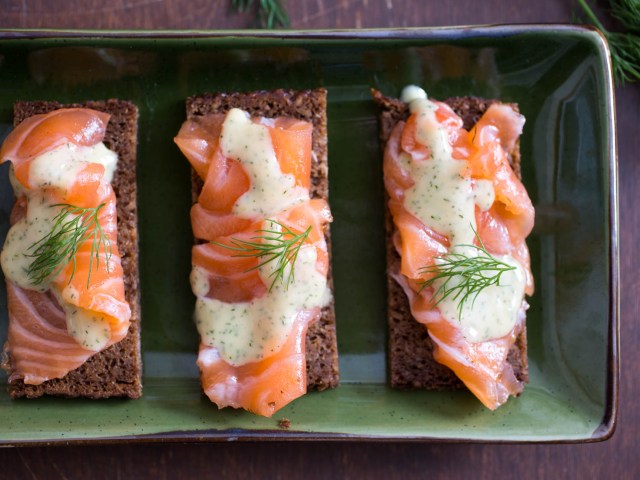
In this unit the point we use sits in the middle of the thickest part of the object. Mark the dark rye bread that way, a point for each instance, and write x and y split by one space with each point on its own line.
310 106
116 371
411 363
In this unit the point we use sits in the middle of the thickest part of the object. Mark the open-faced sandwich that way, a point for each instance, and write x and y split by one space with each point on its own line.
458 264
70 258
261 264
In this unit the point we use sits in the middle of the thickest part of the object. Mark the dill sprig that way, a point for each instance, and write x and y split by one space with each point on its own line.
269 13
272 245
628 12
624 46
71 228
465 276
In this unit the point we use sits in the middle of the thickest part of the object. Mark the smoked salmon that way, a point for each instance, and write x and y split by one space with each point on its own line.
254 301
61 260
454 198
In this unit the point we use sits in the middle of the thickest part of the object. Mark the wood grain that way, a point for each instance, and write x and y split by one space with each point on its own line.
616 458
305 14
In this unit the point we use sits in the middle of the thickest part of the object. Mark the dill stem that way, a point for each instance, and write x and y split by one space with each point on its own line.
472 272
592 16
72 226
280 246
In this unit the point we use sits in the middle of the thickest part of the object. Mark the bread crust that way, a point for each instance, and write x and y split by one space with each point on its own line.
310 106
410 350
117 370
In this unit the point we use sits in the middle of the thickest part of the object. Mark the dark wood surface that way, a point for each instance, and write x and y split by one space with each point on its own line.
616 458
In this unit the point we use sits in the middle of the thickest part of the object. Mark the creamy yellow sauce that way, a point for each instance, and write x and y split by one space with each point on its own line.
90 330
271 191
442 196
56 169
246 332
493 313
60 167
199 281
444 199
483 194
25 232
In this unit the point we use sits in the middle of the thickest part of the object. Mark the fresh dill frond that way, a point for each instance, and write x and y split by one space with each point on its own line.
71 228
624 46
269 13
465 276
628 12
272 245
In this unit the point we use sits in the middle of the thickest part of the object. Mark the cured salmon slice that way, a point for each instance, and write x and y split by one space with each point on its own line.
501 229
262 387
227 269
42 133
90 284
38 340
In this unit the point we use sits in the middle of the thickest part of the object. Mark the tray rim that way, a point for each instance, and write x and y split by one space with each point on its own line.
396 33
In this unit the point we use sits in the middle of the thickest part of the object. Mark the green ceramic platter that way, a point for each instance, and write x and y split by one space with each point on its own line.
560 77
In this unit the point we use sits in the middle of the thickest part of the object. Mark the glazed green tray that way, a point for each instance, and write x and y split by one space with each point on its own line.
559 76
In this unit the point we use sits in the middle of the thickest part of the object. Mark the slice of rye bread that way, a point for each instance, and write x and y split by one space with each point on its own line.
411 363
117 370
310 106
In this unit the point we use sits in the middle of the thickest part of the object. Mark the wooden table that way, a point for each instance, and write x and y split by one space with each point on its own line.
616 458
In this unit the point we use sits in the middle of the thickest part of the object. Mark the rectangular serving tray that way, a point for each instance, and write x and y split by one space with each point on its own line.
561 78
